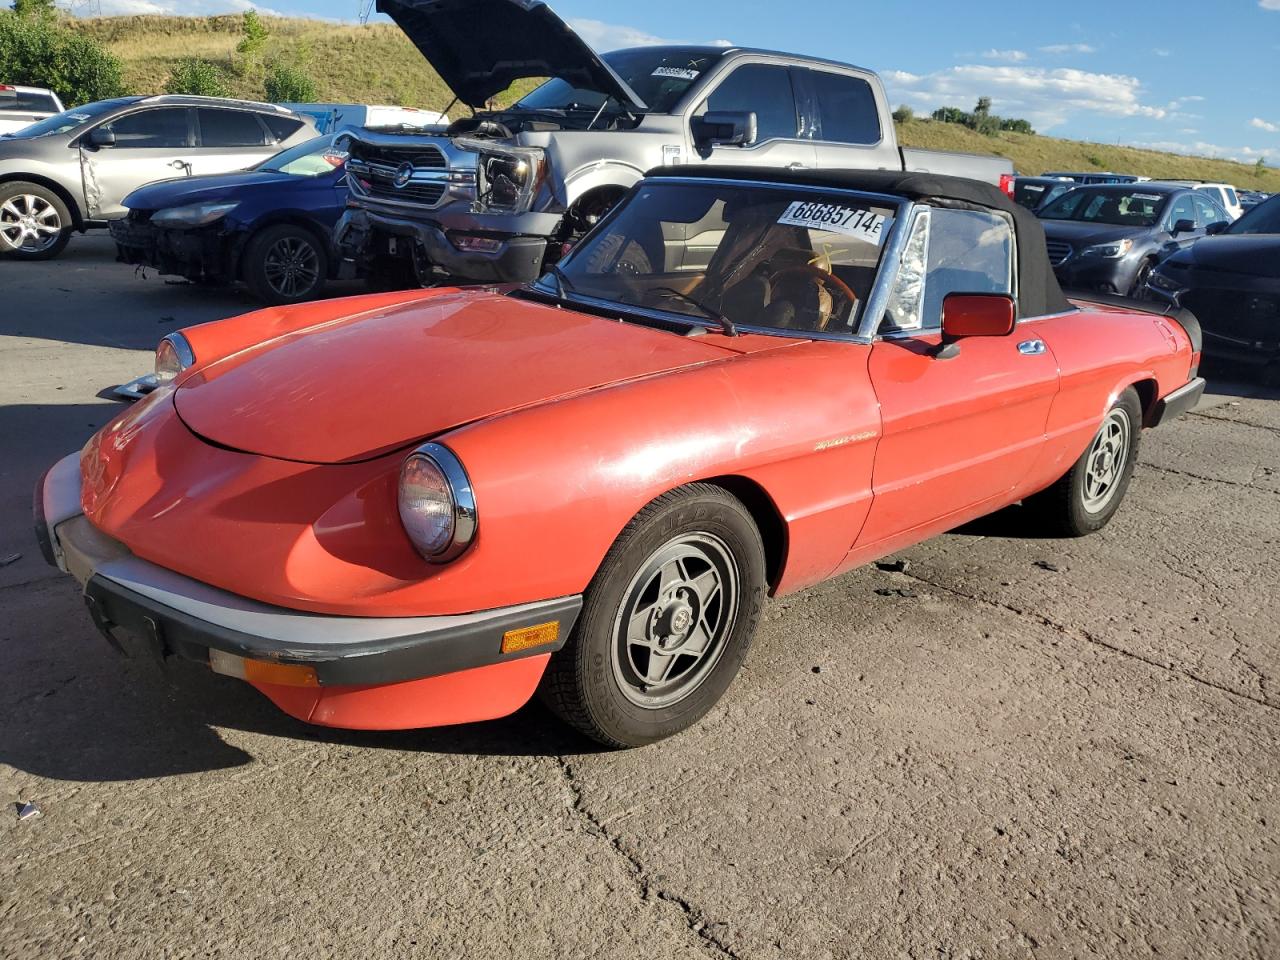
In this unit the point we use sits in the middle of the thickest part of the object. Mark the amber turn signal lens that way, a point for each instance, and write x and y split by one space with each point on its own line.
261 671
526 638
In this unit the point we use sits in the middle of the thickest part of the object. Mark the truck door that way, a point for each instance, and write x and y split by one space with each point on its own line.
764 89
150 144
841 114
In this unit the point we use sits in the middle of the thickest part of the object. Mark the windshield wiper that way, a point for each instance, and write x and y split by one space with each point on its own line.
563 282
726 325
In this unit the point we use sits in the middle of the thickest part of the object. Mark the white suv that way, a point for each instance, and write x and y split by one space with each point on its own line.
1224 193
23 106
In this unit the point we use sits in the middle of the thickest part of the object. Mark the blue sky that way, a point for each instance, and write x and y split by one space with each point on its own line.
1195 77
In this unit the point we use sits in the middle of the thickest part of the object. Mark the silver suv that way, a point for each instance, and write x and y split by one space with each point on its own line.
72 170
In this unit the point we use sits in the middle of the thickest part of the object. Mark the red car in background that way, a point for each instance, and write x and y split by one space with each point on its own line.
414 509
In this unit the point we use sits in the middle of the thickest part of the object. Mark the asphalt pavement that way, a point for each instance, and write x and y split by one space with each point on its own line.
1015 748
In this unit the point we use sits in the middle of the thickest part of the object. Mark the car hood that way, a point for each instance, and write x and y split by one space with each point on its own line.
1255 255
181 191
481 47
1087 234
358 387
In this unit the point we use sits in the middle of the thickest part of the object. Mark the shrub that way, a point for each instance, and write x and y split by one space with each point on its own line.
255 36
35 8
198 78
37 51
286 84
903 114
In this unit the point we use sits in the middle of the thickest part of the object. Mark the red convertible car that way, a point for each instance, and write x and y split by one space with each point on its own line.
412 509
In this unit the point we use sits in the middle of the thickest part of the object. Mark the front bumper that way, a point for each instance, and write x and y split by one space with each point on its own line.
362 235
195 254
357 662
1097 274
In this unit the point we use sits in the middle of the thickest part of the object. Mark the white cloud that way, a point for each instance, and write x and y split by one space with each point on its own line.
615 36
1179 102
1057 48
1048 98
1160 52
1269 4
1266 125
1012 56
1214 151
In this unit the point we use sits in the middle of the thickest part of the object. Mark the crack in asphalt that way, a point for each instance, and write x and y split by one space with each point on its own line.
646 888
1240 423
1088 637
1200 476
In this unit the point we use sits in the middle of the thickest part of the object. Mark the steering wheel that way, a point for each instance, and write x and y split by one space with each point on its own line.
833 284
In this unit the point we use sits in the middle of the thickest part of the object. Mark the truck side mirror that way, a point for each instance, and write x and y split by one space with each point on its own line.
724 128
1183 226
102 137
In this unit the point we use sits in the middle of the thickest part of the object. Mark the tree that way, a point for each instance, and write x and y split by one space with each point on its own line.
286 84
37 51
950 115
983 108
1260 166
198 78
903 114
43 9
255 36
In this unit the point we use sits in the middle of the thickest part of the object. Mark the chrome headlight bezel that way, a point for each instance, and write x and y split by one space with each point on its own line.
459 505
522 167
192 215
173 356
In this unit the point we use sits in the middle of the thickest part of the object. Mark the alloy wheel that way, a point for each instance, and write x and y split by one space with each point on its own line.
29 223
292 267
674 619
1106 461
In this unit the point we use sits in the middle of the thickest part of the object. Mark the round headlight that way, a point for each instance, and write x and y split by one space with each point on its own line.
173 355
437 507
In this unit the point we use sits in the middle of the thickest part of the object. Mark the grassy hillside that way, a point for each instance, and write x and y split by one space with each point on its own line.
375 63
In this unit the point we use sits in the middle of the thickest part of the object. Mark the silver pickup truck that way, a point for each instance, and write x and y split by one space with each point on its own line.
503 192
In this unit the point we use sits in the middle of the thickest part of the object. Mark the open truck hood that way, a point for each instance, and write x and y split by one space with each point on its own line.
481 47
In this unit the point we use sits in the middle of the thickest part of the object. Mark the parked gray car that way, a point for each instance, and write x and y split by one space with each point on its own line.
499 196
71 171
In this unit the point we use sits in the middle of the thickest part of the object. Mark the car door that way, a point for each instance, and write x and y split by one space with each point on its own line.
150 144
228 139
958 434
1183 207
1208 213
766 90
840 113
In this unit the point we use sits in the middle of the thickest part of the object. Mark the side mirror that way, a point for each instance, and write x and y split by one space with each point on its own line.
1183 226
725 128
1217 227
101 137
974 315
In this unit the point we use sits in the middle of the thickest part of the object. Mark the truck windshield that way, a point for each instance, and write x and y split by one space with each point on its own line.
70 119
660 76
1122 208
1264 218
769 256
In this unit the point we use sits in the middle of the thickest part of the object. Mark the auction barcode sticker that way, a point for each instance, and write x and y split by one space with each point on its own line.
856 222
678 73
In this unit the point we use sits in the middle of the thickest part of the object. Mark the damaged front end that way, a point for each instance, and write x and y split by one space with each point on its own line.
199 253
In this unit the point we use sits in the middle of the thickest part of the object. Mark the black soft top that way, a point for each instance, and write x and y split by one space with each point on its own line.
1038 290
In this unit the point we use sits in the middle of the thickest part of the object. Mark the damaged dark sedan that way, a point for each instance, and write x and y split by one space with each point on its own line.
1232 284
268 226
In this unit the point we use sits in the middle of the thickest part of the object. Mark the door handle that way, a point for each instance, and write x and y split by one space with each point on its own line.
182 165
1031 348
797 165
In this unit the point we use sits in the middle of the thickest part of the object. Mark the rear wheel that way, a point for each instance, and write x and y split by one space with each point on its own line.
285 264
1085 499
665 624
34 222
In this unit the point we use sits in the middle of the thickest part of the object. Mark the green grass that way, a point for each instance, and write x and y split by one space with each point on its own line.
375 63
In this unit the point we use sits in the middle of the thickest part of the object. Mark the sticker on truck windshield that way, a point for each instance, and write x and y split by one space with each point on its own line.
856 222
676 73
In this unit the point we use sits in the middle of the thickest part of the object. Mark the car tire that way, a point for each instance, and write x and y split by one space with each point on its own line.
1088 495
285 263
666 623
618 254
1139 289
20 200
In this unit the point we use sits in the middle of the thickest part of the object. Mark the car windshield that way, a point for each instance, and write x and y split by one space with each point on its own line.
1121 208
1264 218
70 119
784 258
314 158
660 76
